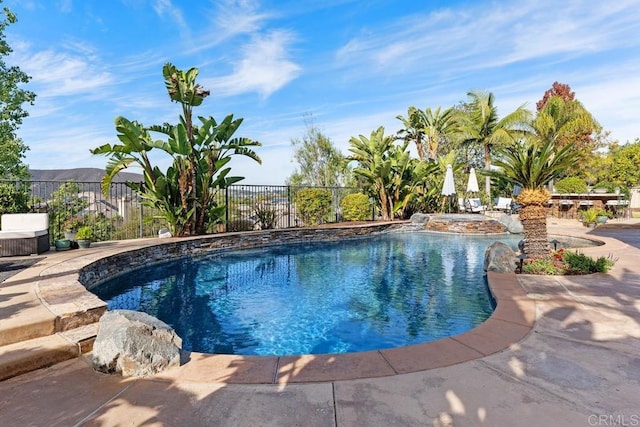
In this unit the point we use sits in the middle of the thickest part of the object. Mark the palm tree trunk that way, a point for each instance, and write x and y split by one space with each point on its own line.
420 147
487 166
534 222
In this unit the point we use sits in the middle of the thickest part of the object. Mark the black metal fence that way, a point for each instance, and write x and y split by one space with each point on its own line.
121 215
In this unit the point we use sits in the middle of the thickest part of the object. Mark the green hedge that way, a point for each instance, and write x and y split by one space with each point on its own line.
356 207
571 184
12 200
313 205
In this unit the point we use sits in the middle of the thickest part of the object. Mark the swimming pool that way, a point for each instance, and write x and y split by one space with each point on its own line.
370 293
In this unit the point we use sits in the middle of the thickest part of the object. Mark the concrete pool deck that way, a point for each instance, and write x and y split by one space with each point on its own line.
578 366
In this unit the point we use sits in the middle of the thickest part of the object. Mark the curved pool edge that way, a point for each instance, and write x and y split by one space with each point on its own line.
511 322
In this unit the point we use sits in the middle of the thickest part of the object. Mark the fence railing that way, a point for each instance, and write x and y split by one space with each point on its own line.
121 215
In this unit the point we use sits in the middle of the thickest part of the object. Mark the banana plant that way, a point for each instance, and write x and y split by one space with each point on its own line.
186 193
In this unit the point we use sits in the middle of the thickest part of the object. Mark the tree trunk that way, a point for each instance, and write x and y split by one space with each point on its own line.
384 205
487 167
534 222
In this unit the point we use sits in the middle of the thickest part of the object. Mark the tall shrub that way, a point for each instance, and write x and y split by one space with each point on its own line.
313 205
356 207
12 199
65 203
571 184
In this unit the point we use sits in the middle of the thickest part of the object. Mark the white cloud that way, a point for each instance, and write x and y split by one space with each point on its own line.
264 67
230 19
166 7
238 17
62 74
488 37
65 146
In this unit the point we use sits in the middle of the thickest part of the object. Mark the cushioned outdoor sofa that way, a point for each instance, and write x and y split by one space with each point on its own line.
24 234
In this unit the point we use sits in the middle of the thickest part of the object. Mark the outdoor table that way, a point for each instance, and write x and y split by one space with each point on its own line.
568 205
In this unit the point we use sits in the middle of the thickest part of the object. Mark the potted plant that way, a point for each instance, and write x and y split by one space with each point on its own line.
84 235
62 244
603 216
589 218
71 226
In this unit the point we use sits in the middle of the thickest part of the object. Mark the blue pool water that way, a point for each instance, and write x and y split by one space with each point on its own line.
373 293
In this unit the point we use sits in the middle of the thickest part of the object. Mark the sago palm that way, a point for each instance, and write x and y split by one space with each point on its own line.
532 164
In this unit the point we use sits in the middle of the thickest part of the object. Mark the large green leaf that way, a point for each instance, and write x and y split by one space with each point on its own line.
200 156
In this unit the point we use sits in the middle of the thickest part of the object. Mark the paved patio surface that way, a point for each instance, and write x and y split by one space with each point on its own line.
580 366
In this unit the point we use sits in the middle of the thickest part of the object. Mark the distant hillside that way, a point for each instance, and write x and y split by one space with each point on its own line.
45 181
80 175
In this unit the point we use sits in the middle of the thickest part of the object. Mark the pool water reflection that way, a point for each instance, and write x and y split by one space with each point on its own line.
378 292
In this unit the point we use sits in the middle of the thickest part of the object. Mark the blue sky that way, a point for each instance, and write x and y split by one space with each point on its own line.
351 65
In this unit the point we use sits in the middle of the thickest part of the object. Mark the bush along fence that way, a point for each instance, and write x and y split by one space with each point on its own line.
121 215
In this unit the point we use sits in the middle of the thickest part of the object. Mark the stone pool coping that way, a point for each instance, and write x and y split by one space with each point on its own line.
61 292
511 322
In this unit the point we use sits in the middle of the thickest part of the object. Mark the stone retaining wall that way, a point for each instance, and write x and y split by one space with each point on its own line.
456 223
95 273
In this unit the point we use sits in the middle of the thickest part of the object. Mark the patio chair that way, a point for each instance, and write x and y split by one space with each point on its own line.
475 206
503 204
24 234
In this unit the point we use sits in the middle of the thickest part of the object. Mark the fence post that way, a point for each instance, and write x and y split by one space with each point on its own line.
373 208
289 206
226 209
141 230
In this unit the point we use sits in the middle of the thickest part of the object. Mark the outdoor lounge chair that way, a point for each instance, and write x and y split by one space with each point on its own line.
24 234
475 206
503 204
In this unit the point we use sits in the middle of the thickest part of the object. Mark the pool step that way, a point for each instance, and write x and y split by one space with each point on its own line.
23 318
33 323
26 356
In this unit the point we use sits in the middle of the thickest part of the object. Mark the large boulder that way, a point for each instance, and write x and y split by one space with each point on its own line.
420 218
514 226
134 344
500 258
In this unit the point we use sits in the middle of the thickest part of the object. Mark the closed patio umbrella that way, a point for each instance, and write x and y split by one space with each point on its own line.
472 184
449 187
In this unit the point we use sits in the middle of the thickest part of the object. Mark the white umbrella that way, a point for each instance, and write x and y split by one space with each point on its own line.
472 184
449 187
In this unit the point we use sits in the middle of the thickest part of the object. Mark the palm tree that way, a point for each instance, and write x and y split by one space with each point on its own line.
386 167
482 126
413 129
429 127
533 164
